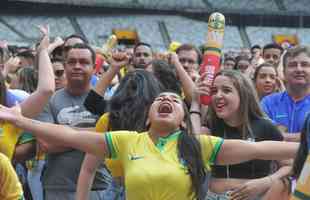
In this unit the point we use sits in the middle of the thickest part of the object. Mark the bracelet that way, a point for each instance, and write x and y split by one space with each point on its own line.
195 112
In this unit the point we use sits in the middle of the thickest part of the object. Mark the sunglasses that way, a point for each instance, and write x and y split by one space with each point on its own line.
59 73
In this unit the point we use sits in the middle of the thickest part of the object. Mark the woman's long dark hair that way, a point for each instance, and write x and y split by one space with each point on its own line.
28 79
167 75
131 101
190 152
2 90
303 149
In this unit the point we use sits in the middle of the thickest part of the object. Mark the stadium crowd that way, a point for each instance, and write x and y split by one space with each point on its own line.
85 122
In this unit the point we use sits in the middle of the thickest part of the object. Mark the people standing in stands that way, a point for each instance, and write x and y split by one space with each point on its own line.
169 161
243 64
266 80
66 107
14 143
256 56
289 109
10 189
142 56
229 63
59 72
283 188
190 58
36 165
235 113
272 53
135 93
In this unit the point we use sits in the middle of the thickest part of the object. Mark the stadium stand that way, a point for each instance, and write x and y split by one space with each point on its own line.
6 33
98 28
261 5
263 35
59 26
293 5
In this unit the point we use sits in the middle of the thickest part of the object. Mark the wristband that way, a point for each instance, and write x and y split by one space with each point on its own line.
195 112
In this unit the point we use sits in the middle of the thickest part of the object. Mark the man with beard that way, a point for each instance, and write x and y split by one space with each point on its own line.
143 56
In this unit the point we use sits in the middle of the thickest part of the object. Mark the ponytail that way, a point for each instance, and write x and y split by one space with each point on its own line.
190 154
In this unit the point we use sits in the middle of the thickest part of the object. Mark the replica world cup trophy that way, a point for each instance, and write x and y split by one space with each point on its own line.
212 51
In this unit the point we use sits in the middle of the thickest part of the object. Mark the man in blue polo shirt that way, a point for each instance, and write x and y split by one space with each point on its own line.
289 109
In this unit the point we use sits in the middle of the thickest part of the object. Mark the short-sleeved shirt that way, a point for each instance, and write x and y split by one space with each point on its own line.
283 110
262 129
113 166
9 136
62 169
15 96
10 187
154 171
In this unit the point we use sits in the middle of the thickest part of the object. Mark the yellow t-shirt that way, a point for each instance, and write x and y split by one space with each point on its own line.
154 171
115 167
10 187
9 136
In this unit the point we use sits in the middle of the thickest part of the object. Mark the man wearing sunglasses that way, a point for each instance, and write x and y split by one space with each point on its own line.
59 71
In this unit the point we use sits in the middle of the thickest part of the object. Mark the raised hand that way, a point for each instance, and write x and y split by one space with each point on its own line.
202 87
118 60
44 44
3 44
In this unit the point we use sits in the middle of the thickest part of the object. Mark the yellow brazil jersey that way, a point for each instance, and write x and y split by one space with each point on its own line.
154 171
10 187
9 136
115 167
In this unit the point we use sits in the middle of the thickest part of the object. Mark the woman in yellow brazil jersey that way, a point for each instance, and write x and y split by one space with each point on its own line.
166 162
31 106
10 189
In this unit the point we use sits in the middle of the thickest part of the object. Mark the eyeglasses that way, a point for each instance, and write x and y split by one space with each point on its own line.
59 73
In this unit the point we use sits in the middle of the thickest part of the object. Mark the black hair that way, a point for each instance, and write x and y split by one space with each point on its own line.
142 44
256 46
239 58
57 59
229 58
84 46
28 79
132 99
3 90
1 52
166 74
190 153
302 152
259 67
190 47
26 54
85 41
272 46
